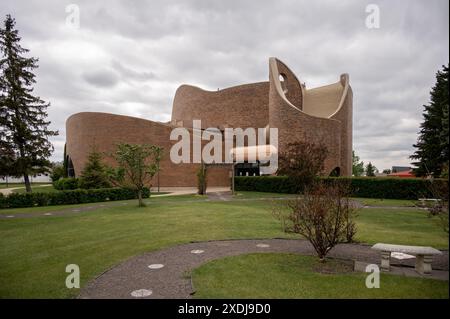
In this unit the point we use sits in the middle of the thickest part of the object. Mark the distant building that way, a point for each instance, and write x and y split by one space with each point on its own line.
398 169
402 174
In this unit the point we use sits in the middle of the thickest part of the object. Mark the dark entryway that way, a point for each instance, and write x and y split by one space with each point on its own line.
246 169
336 172
70 168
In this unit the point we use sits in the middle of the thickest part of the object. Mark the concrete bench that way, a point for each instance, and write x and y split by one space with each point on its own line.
424 255
424 201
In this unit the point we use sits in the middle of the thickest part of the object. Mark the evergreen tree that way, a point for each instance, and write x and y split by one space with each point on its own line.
371 169
24 127
444 133
357 166
94 174
432 145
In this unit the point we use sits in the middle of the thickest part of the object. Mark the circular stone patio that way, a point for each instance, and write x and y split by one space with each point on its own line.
134 278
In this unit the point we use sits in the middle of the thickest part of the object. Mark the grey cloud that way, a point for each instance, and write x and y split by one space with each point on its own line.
101 78
130 73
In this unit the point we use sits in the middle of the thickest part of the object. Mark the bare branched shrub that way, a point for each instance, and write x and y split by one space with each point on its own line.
439 191
202 179
324 215
302 162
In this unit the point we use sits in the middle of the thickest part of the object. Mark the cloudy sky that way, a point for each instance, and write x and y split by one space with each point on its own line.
128 57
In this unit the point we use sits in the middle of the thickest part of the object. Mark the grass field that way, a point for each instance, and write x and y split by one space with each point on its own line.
35 251
44 188
11 185
294 276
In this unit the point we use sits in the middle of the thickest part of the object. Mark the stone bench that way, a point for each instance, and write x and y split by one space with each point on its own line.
424 201
424 255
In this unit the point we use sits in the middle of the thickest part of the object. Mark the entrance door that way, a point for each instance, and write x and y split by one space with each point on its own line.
246 169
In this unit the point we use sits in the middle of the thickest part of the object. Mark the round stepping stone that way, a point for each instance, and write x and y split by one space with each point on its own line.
155 266
140 293
197 251
262 245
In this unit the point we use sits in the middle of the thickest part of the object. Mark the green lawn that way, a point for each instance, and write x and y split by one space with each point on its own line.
295 276
44 188
11 185
400 226
48 188
3 185
35 251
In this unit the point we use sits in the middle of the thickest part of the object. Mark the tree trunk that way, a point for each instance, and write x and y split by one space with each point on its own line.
27 183
141 204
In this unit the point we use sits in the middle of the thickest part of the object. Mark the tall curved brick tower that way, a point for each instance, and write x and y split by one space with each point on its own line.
320 115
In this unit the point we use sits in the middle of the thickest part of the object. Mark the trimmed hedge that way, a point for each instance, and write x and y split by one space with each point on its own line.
270 184
370 187
77 196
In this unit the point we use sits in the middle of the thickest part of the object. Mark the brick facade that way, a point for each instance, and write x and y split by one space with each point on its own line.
320 115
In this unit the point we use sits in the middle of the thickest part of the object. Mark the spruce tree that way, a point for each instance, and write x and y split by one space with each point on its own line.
24 126
94 174
432 144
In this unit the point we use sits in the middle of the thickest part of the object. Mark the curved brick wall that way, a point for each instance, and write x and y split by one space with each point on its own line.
344 114
294 124
106 130
239 106
320 115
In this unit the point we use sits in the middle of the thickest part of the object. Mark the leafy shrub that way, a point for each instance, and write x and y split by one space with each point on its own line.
2 201
376 187
66 183
302 162
77 196
57 173
137 164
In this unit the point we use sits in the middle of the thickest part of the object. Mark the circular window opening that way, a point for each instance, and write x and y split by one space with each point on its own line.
283 81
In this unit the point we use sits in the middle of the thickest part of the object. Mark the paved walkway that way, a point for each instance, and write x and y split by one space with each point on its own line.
173 191
220 196
165 273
